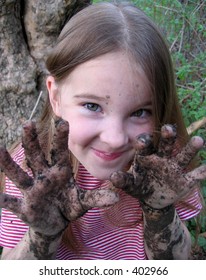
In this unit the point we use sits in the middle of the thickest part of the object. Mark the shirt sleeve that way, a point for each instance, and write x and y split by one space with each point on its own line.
190 206
12 229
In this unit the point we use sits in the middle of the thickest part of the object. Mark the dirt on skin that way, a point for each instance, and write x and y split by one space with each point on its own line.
157 177
51 198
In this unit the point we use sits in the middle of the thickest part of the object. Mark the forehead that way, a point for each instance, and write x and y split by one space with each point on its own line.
112 78
115 66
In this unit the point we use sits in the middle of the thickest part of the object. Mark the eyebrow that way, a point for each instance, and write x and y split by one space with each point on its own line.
89 96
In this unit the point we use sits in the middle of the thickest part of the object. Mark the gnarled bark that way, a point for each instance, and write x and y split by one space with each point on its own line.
28 30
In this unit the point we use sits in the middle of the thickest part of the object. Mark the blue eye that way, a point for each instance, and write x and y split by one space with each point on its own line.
92 107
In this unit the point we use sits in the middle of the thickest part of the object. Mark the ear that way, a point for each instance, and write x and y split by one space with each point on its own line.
54 95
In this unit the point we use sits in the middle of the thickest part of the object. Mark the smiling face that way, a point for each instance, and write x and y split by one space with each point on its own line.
107 104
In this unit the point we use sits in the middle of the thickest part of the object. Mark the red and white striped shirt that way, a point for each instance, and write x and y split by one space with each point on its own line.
110 234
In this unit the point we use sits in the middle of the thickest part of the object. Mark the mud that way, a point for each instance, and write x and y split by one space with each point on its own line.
50 198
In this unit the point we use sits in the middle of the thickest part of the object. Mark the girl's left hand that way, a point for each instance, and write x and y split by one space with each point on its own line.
159 178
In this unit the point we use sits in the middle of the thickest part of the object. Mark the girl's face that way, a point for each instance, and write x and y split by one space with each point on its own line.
107 104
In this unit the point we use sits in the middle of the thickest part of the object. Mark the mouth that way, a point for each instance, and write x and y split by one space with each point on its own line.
107 156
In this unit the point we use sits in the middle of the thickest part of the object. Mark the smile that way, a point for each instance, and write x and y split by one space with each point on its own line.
107 156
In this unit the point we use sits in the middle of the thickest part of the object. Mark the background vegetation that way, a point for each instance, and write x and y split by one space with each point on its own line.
183 23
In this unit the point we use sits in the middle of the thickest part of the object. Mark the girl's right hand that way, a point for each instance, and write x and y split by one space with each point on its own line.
51 198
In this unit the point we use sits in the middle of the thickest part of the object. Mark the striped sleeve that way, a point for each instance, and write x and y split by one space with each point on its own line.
190 206
12 229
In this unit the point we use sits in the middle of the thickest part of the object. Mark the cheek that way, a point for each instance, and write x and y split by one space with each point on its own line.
78 129
75 135
79 135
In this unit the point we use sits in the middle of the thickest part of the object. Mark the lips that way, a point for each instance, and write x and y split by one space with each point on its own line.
107 156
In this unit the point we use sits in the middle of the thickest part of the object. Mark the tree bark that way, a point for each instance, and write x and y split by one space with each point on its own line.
29 28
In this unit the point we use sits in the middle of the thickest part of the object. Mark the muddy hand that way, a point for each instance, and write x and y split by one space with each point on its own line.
159 178
51 198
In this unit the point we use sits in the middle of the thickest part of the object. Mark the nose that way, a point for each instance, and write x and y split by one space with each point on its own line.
115 134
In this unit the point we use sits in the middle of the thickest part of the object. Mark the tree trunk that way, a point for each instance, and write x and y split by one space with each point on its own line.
28 30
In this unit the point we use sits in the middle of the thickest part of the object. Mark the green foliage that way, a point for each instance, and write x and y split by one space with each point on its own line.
197 228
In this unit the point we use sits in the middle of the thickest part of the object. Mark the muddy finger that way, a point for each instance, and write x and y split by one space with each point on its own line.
10 203
13 171
167 140
122 180
99 198
60 152
130 183
189 151
198 174
33 152
144 144
191 180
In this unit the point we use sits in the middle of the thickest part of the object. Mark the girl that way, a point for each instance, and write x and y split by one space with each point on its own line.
111 79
